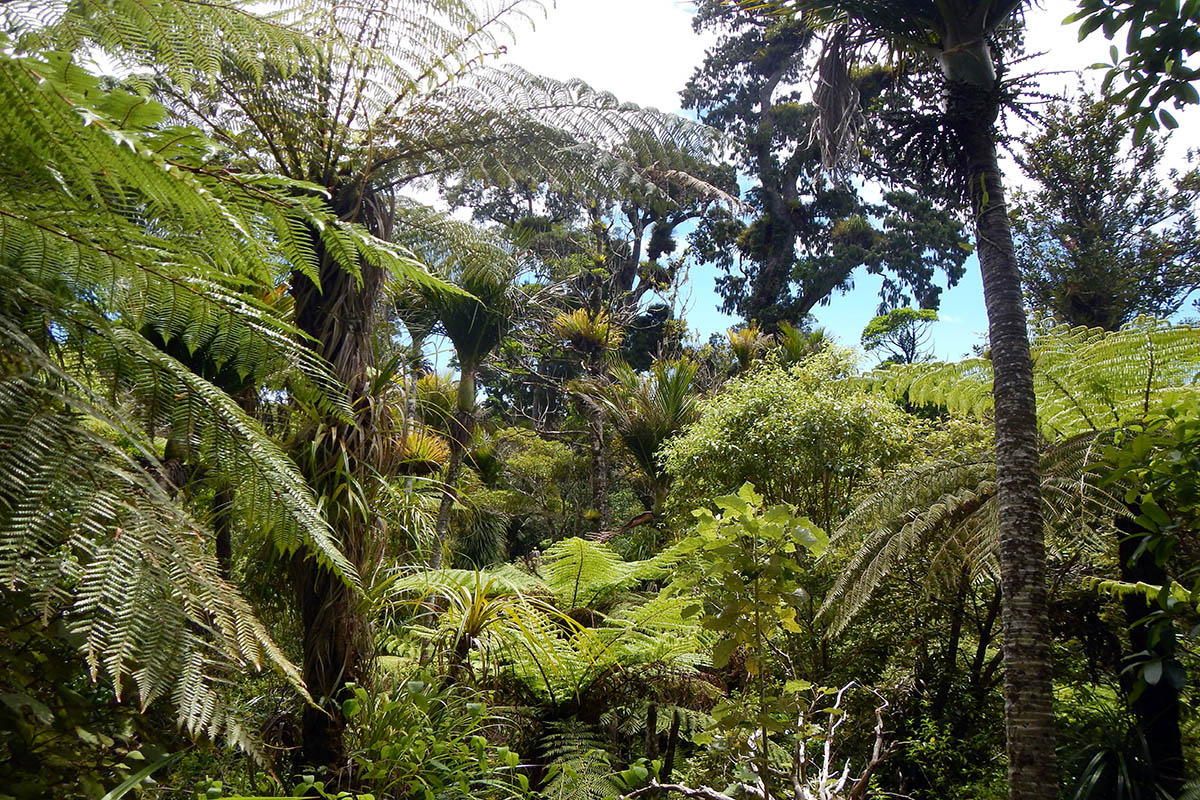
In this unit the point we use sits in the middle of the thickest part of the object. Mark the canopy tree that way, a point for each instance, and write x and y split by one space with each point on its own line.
809 233
901 335
1102 234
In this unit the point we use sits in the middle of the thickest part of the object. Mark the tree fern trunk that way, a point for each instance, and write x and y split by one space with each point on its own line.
339 316
1028 697
334 654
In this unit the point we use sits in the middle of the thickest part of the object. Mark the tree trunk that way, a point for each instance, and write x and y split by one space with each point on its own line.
1157 708
950 665
335 642
972 109
449 494
339 315
461 427
598 467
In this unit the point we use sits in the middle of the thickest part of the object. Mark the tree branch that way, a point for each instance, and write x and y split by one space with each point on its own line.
702 792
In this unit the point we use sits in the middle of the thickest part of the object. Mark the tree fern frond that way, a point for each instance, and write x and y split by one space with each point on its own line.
88 528
578 765
583 573
945 512
1086 379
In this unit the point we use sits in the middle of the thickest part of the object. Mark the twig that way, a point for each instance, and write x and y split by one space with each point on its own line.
702 792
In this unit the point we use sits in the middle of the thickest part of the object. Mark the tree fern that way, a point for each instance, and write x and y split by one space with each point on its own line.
113 226
1089 383
187 40
537 636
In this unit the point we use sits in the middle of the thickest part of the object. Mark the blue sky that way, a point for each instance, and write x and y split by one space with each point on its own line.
657 55
961 319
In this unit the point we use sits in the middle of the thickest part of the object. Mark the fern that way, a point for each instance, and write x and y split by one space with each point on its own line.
1086 379
532 632
1089 384
87 527
578 767
113 226
583 573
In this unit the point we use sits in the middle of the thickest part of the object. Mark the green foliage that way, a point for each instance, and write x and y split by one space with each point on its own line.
412 735
540 484
798 434
1102 235
648 410
62 735
1090 383
1109 757
579 766
547 629
1158 463
185 40
1087 380
582 573
750 563
901 334
115 225
419 738
1157 68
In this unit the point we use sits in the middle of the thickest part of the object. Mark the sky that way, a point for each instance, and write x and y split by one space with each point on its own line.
643 51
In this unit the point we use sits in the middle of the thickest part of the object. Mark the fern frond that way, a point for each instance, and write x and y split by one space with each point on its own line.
1086 379
944 512
87 527
583 573
578 765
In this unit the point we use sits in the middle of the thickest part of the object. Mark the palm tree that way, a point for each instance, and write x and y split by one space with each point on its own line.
646 410
957 33
474 319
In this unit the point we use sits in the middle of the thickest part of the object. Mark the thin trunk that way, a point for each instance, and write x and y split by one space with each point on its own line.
978 678
1157 708
462 426
672 743
652 731
223 527
598 466
1028 695
950 667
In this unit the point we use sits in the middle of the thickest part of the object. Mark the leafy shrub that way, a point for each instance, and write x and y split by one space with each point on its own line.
798 434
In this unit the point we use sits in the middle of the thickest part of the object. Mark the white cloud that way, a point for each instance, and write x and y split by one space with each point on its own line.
643 51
